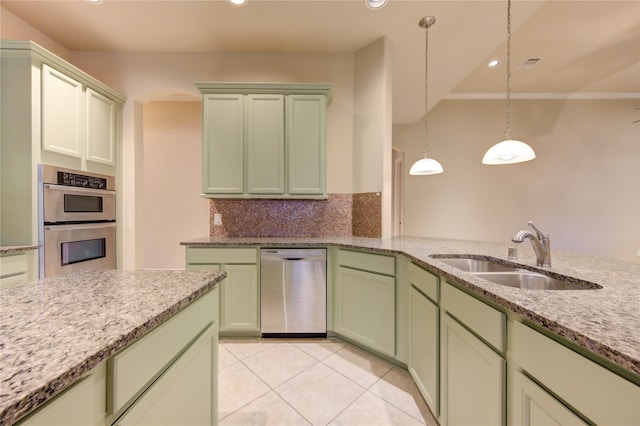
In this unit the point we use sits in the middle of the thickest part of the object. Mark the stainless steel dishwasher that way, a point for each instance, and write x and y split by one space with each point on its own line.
293 292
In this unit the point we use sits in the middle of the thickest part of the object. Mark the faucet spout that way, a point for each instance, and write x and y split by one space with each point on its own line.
541 244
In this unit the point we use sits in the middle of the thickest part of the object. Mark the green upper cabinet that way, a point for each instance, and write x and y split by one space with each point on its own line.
62 101
264 140
265 144
306 143
223 144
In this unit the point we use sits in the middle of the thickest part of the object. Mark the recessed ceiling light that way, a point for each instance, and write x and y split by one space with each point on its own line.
238 2
94 1
376 4
493 63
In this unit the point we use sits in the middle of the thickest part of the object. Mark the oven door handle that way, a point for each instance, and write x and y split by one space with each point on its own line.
78 226
79 189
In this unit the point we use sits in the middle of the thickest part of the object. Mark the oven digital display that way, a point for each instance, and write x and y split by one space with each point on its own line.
83 181
82 203
83 251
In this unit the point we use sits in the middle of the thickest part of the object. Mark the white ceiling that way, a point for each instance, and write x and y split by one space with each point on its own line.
589 48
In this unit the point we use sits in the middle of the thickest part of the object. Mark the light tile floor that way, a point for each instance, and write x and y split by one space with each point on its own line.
313 382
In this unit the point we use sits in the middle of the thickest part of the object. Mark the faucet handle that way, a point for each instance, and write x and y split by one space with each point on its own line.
539 233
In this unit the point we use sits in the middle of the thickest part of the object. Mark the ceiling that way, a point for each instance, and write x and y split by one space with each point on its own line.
589 48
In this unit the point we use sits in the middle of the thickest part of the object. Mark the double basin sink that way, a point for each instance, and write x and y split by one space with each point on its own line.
510 275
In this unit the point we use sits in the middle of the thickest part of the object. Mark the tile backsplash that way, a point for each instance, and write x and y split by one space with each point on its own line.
338 215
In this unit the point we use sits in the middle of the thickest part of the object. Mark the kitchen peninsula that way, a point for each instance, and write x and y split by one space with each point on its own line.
538 336
106 338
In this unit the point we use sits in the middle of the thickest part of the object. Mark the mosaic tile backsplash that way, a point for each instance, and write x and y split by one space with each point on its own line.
339 215
367 215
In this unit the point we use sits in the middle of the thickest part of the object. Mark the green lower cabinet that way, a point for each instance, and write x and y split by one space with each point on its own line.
531 405
472 378
593 392
167 377
240 299
424 347
186 394
240 290
365 309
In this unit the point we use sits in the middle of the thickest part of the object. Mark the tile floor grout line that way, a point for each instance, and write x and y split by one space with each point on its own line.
347 407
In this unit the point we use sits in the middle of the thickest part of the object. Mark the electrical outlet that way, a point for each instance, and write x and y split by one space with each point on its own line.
217 219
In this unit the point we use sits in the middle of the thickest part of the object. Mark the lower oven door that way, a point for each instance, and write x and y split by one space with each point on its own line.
69 248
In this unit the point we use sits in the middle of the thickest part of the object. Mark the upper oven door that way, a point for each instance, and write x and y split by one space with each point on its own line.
65 204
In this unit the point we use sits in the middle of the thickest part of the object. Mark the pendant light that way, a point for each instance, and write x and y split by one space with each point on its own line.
508 151
426 166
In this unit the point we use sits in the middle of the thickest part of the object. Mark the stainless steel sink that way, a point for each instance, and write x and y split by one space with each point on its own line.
477 265
530 281
510 275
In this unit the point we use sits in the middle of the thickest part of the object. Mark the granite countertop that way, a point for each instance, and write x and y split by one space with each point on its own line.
17 249
54 330
604 321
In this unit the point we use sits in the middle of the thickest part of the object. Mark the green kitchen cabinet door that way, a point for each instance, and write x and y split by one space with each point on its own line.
62 109
265 144
424 347
186 393
365 309
306 144
240 297
531 405
100 128
223 144
472 378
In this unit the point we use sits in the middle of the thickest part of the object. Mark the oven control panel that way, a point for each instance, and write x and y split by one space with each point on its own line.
79 180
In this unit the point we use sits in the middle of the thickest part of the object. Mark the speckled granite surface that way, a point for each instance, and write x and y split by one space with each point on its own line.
17 249
604 321
54 330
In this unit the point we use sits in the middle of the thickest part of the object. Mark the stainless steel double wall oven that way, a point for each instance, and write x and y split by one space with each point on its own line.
77 217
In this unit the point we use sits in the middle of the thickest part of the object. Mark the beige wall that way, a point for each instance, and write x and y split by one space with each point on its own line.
172 177
14 28
373 125
583 188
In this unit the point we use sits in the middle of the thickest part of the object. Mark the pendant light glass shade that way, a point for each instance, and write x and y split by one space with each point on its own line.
426 166
376 4
508 151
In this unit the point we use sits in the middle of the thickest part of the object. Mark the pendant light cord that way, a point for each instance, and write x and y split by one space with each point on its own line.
507 132
426 89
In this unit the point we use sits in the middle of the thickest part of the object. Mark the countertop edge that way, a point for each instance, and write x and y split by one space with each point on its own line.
38 397
17 249
620 360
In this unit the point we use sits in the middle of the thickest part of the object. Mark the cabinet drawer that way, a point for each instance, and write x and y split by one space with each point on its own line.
368 262
425 282
602 396
133 369
13 265
221 255
487 322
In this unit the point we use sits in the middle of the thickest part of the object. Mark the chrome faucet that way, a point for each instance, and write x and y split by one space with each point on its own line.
540 242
